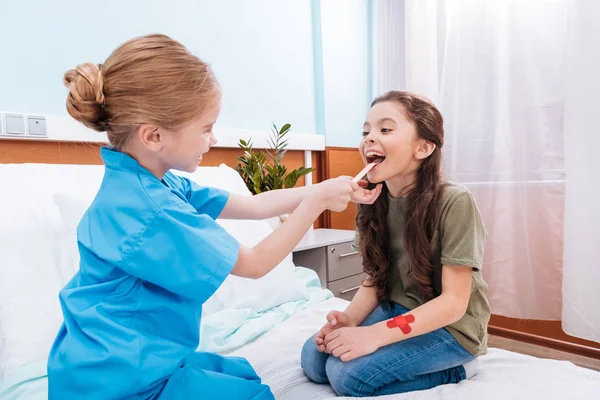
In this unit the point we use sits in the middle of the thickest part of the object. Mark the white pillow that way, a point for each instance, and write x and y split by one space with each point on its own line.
221 177
277 287
34 267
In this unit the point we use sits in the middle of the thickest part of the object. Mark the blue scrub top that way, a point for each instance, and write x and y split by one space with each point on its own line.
151 254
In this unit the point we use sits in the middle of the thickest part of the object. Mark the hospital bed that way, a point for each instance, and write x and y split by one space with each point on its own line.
265 320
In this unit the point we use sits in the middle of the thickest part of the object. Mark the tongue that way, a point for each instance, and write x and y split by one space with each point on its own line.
378 160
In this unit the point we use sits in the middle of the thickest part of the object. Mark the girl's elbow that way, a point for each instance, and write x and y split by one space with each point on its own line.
255 274
457 314
246 265
457 309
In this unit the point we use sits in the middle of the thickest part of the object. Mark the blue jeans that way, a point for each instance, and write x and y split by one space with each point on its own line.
418 363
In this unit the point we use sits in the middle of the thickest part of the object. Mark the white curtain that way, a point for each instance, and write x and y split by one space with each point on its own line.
581 291
497 71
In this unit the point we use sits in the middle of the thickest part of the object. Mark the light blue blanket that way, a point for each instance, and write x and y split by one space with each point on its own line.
228 329
221 332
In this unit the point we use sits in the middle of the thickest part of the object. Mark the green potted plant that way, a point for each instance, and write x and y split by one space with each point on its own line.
263 170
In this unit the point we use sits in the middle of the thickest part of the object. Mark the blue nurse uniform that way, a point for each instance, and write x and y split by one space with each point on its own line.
151 254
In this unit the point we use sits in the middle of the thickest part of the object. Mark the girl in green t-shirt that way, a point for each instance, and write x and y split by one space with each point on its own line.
420 318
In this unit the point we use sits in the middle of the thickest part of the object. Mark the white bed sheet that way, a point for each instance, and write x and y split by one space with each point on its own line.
501 374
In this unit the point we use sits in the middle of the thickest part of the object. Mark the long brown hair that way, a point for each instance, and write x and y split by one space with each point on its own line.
150 79
423 203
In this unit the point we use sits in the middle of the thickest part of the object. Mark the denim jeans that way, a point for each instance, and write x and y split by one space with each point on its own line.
418 363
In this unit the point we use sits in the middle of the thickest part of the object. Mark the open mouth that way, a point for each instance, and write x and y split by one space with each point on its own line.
374 157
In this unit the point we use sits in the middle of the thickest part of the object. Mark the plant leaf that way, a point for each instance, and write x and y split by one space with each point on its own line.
257 180
291 179
284 130
303 171
263 170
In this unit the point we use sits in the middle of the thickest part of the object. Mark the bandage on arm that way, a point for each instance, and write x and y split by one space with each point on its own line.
403 322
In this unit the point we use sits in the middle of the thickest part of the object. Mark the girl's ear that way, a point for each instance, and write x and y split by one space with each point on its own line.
150 136
424 149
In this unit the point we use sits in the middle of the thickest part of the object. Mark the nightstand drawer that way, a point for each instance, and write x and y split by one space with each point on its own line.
346 288
342 261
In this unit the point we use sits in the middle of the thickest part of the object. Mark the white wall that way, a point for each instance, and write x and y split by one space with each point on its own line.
261 51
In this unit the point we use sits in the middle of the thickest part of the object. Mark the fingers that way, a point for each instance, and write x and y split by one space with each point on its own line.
372 195
378 188
340 350
352 186
335 317
348 180
363 198
332 317
366 196
332 336
355 186
348 356
320 336
333 345
318 340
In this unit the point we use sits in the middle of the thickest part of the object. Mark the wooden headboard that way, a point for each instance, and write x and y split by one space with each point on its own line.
55 152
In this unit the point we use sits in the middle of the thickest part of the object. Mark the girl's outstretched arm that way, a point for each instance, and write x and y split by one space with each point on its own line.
273 202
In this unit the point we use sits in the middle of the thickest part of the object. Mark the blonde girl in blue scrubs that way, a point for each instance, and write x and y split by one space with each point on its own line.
151 251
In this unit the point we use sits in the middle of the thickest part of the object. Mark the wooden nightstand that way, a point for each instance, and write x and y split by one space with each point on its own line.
329 253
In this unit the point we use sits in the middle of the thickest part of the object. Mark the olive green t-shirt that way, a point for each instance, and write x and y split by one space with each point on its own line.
458 240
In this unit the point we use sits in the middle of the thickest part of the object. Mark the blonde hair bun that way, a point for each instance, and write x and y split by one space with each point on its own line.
85 101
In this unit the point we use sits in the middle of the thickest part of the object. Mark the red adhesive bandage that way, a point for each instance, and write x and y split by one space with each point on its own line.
403 322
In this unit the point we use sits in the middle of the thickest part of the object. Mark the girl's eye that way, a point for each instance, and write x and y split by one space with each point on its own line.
385 130
365 133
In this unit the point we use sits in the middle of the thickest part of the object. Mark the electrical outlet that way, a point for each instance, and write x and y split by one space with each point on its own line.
37 126
15 124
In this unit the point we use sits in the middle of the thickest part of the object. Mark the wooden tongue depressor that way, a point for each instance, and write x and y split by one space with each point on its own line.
363 172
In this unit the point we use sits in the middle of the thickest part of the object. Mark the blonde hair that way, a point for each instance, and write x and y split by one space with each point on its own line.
151 79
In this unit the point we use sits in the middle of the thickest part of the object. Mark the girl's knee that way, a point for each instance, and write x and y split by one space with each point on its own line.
313 362
309 351
346 378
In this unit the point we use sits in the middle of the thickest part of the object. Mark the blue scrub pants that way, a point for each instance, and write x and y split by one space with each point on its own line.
211 376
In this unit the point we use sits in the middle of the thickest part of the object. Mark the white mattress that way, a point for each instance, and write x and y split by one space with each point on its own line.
501 375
